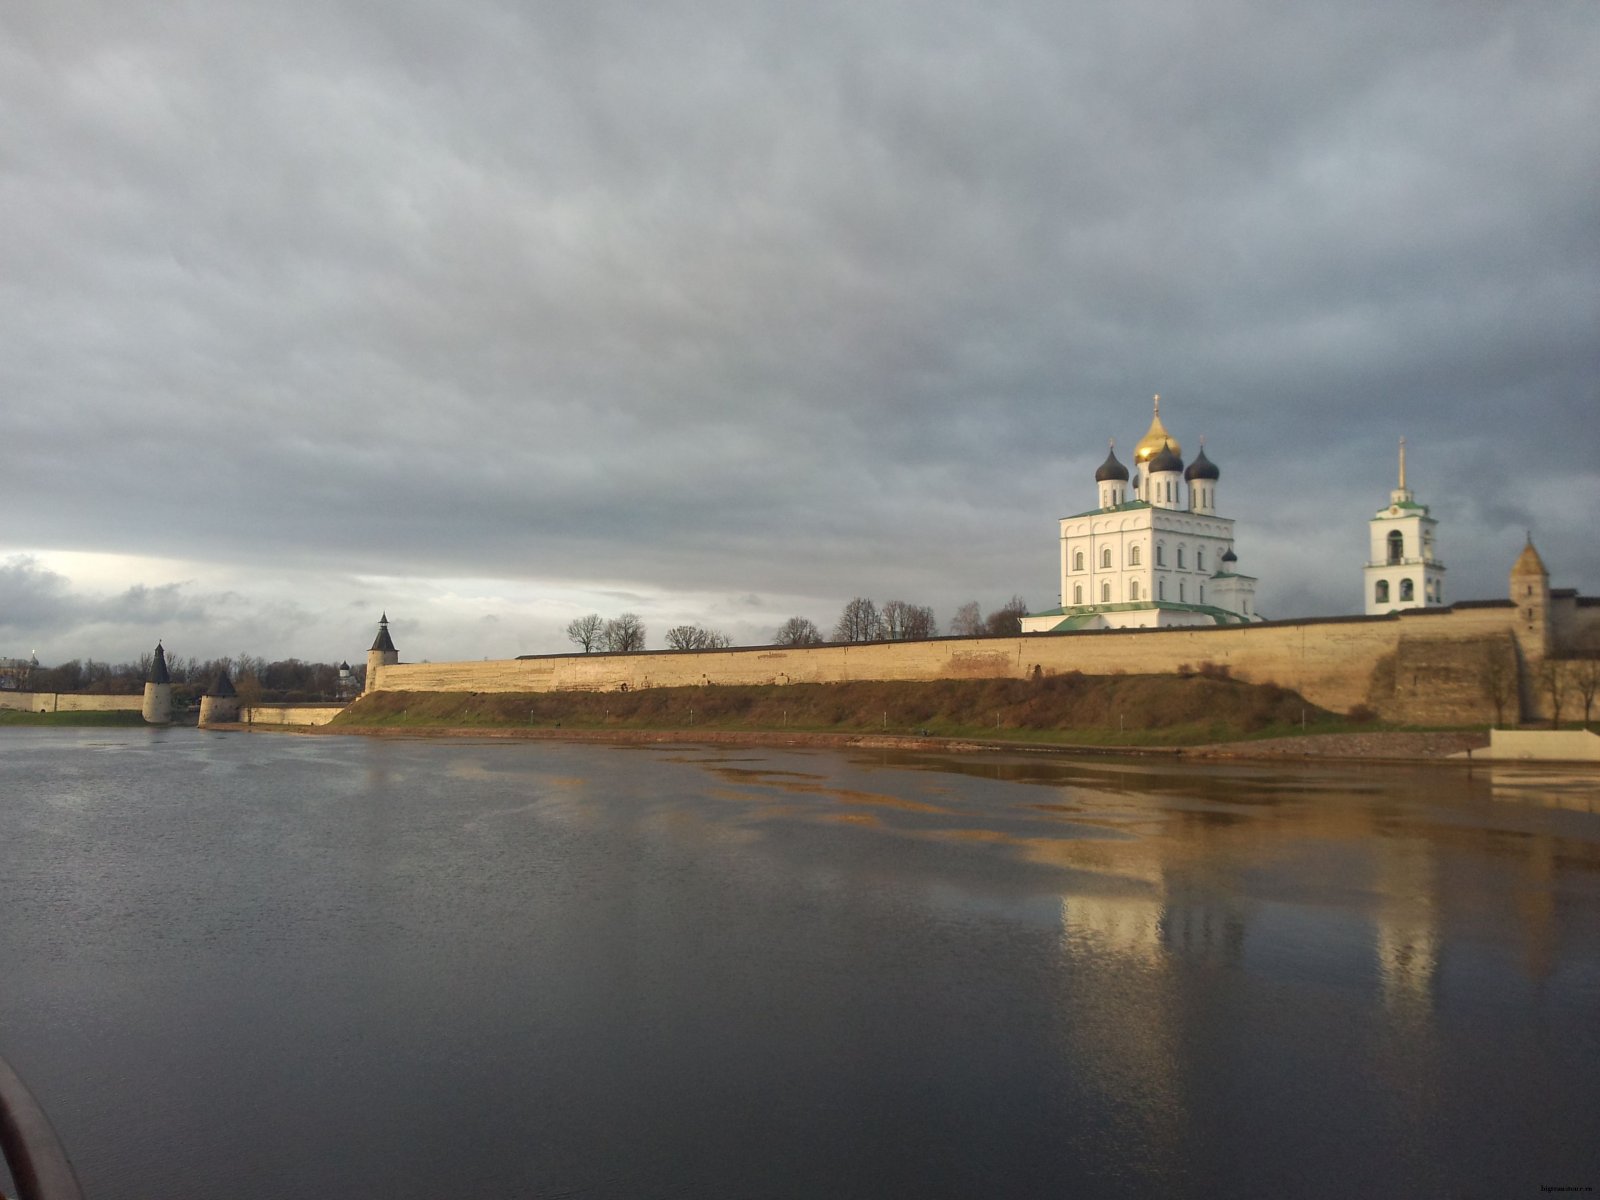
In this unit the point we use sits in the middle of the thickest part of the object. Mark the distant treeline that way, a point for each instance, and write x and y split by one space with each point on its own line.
255 679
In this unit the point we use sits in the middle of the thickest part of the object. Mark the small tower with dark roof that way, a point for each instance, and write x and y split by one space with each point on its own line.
1202 477
220 704
157 708
382 654
1113 480
1163 478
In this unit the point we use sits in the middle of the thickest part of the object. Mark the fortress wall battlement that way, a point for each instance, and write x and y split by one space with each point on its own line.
1330 662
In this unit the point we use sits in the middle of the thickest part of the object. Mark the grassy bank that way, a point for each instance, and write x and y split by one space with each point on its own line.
1131 710
122 718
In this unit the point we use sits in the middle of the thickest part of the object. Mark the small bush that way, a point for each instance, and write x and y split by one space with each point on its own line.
1362 715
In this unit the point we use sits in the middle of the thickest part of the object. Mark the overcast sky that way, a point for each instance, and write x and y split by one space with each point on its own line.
491 314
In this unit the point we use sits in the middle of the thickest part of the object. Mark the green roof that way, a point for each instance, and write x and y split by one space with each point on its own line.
1129 506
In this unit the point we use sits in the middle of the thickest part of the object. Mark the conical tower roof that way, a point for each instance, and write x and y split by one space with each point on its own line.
1154 439
1529 562
158 667
383 641
221 687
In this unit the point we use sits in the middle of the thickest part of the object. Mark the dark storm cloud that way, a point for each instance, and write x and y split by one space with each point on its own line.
820 300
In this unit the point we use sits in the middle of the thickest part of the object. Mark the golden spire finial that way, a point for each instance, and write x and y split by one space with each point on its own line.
1402 464
1154 439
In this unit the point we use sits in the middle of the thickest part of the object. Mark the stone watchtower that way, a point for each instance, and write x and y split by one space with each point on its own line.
157 707
1530 592
382 654
220 704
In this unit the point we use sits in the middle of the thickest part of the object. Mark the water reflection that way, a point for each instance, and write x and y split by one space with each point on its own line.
546 969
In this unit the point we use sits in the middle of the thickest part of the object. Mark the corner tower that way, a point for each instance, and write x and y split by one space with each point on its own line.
1402 570
1530 592
382 654
157 707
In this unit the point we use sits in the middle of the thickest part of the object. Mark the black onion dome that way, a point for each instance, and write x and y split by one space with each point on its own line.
1165 460
221 686
1228 556
158 667
1202 468
383 641
1111 469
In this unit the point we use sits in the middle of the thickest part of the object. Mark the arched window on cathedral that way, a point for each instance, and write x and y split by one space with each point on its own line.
1200 560
1161 554
1202 593
1397 547
1133 556
1077 593
1180 558
1077 560
1105 593
1381 594
1105 558
1161 589
1180 590
1408 590
1133 589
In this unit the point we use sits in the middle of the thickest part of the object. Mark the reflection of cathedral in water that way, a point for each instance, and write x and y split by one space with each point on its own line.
1407 933
1200 914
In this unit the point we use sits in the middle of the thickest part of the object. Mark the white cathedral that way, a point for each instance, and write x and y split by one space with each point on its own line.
1161 559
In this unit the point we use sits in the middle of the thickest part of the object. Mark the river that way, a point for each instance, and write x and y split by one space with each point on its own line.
258 966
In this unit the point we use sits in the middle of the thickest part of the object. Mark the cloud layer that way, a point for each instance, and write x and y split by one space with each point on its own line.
708 299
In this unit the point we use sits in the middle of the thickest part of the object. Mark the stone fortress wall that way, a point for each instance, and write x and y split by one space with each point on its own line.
69 702
1421 666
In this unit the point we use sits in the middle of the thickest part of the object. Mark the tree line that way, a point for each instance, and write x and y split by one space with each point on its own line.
254 678
861 620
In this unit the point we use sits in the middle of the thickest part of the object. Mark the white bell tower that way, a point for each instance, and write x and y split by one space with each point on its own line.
1402 569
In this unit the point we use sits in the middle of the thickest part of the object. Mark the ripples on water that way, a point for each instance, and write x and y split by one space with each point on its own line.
268 966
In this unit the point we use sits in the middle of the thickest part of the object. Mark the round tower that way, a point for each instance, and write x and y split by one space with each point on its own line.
1113 480
220 704
157 708
1530 592
382 654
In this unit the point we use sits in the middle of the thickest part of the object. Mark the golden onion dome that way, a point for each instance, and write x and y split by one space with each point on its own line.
1151 443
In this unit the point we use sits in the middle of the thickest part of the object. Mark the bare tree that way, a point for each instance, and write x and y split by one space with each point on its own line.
623 634
1497 677
859 622
920 625
1553 681
585 631
1586 681
1007 619
798 631
692 637
906 622
968 621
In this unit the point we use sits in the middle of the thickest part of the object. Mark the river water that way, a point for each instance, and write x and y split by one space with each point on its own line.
237 966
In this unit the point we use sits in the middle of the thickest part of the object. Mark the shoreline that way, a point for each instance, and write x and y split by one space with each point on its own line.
1385 747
